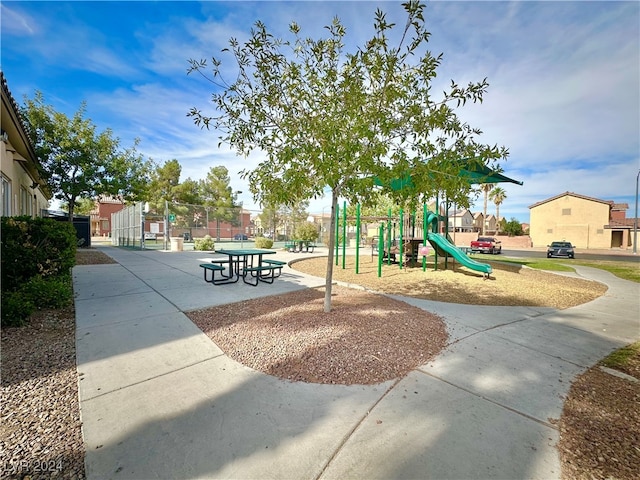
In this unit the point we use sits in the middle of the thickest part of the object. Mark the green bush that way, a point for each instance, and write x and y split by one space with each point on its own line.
262 242
37 257
205 243
16 309
307 232
35 246
49 292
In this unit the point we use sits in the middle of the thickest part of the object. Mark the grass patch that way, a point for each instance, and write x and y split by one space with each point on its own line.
625 270
540 264
620 358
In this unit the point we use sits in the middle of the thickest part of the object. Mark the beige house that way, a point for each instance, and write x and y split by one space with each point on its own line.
478 218
23 190
461 221
584 221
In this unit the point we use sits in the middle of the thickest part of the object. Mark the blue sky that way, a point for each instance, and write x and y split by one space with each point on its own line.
564 77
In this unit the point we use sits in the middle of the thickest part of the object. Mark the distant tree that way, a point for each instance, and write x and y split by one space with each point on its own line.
77 161
485 188
84 206
328 118
307 232
270 219
497 196
218 197
513 228
162 188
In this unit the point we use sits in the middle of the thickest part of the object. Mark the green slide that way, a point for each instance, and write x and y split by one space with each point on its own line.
440 243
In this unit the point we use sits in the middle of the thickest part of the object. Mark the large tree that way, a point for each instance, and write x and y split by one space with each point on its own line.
77 161
325 117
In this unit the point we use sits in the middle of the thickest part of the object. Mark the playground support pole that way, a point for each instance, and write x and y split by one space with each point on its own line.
401 245
380 248
344 235
437 231
357 238
389 238
424 235
337 232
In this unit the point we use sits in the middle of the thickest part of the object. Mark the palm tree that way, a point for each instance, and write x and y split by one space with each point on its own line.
486 188
497 196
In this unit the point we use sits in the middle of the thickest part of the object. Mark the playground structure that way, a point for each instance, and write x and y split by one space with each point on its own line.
471 171
409 246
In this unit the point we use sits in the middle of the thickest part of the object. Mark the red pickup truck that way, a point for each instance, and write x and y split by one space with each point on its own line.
486 245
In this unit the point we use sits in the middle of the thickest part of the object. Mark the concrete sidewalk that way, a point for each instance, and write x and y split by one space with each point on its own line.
160 400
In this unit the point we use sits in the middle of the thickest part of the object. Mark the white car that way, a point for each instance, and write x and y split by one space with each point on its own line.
149 236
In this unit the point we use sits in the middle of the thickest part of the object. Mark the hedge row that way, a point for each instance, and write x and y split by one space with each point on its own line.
37 255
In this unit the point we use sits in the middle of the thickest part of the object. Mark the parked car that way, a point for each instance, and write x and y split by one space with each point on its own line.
240 236
486 245
187 237
560 249
150 236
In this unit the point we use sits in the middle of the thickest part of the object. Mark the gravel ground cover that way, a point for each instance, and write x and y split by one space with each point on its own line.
365 339
41 432
40 435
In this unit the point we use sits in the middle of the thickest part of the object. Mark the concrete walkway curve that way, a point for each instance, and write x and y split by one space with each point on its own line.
160 400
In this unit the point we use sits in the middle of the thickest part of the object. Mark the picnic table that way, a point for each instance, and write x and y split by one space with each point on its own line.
245 263
299 246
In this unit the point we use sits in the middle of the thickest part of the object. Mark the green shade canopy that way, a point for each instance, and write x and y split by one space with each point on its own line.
475 173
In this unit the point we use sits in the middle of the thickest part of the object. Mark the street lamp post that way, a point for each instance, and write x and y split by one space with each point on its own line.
635 219
238 192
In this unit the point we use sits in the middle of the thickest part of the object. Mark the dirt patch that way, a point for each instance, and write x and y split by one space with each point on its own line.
365 339
508 285
600 426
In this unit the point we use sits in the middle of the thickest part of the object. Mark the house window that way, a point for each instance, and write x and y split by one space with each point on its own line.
566 211
6 197
25 202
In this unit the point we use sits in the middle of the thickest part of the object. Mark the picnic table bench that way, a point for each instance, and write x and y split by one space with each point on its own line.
299 246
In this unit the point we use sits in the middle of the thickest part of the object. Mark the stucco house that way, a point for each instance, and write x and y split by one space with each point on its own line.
584 221
461 221
24 192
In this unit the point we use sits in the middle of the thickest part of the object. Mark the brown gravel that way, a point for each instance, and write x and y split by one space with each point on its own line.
40 413
600 426
508 285
41 436
365 339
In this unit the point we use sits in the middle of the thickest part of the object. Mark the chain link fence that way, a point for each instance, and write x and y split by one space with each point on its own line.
135 227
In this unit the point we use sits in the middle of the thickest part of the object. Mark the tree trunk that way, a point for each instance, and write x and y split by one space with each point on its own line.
484 212
332 243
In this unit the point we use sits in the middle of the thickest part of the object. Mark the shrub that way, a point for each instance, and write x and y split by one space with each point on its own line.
35 246
307 232
16 309
262 242
205 243
48 292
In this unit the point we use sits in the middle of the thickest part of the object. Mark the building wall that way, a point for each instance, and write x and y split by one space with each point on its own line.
573 219
463 221
18 164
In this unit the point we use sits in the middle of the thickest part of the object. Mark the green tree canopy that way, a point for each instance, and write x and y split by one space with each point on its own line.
325 117
77 161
